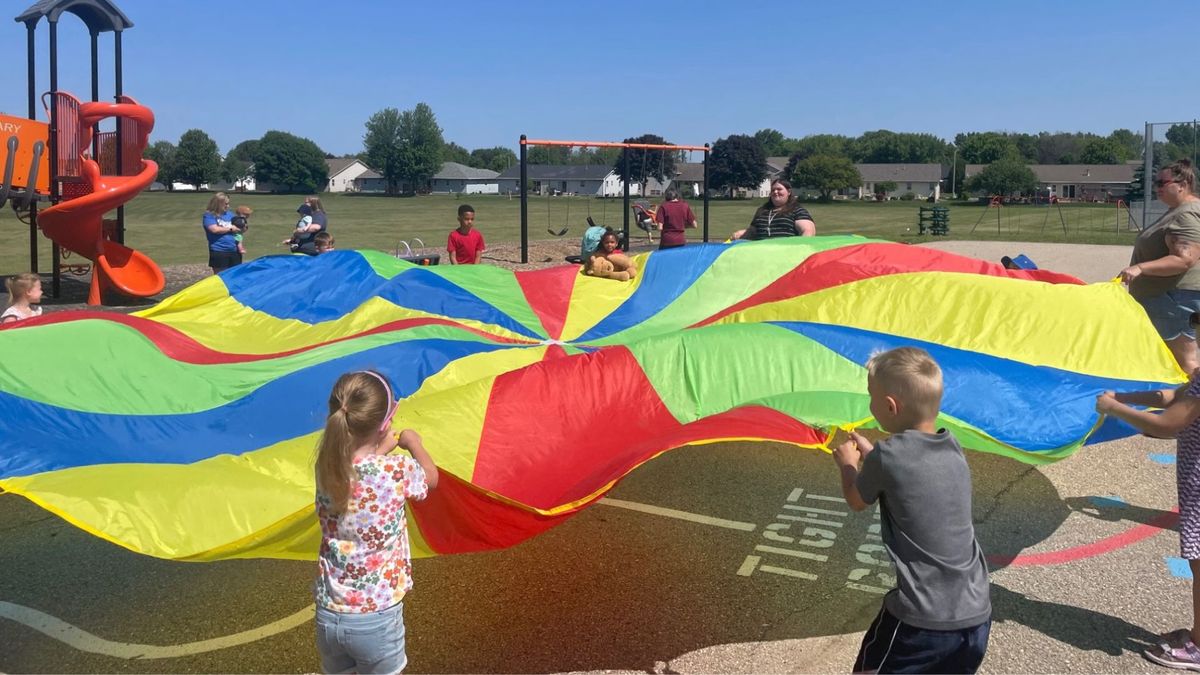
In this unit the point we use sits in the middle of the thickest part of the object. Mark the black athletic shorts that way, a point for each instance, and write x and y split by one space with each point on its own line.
223 260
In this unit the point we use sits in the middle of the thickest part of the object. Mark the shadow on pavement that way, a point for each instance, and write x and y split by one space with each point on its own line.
616 589
1081 628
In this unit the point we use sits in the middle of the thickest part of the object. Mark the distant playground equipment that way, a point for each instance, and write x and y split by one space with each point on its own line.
935 220
83 172
422 259
1078 217
625 147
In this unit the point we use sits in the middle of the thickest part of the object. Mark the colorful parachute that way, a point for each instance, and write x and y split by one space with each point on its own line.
187 431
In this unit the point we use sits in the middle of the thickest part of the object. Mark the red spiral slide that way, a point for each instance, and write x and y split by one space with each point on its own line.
77 222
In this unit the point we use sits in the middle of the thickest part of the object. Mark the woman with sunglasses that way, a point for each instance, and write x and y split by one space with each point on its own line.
364 566
1162 274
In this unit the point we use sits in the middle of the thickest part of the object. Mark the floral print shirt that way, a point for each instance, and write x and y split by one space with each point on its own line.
364 562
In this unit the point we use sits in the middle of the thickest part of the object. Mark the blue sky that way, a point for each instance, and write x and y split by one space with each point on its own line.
690 71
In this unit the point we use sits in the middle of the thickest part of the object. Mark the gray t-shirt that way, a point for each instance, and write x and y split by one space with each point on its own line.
1182 221
923 485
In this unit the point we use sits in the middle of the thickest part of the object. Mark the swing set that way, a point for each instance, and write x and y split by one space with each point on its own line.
628 208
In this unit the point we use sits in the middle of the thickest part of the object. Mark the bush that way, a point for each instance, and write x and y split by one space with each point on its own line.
907 197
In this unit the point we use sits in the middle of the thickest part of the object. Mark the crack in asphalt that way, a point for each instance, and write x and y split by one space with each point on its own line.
998 498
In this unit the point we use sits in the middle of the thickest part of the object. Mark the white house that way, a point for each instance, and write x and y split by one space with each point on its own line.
922 180
244 184
460 178
1078 182
595 180
342 172
370 181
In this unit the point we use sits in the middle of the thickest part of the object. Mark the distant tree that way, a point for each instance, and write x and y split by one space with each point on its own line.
381 147
737 162
1182 142
594 156
774 143
885 187
234 169
244 151
453 152
1101 151
290 163
1182 135
1131 142
833 145
196 159
1007 176
645 164
889 147
826 174
497 159
163 154
984 147
1136 188
548 154
420 146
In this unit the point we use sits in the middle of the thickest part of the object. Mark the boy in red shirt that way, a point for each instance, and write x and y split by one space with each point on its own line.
465 245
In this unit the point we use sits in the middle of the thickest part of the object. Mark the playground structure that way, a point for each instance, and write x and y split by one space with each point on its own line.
935 220
1071 217
416 257
628 208
82 172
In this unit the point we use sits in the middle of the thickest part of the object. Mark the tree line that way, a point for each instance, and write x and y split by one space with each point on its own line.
408 147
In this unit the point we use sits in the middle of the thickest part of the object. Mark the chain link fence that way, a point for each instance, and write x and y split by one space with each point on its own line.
1165 142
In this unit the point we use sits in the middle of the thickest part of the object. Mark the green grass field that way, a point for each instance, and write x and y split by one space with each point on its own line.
167 225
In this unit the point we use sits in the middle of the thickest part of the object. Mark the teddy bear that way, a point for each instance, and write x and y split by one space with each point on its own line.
599 266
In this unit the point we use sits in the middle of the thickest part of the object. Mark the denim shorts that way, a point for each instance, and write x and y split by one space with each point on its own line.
1171 312
362 643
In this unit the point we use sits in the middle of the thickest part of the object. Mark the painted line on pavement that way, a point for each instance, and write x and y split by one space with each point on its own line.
1178 567
84 641
680 515
1108 544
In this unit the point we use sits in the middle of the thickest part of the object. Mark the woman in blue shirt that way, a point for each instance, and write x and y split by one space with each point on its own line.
220 231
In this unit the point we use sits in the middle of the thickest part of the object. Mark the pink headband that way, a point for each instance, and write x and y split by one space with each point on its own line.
392 404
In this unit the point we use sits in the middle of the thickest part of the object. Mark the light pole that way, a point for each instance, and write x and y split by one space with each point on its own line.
953 173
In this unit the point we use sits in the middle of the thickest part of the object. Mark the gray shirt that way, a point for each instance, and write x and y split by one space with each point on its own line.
1182 221
923 485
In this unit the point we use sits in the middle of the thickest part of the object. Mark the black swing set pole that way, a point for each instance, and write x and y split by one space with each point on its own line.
524 204
705 188
625 171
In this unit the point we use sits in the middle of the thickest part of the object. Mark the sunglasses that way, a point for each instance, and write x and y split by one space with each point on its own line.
1158 182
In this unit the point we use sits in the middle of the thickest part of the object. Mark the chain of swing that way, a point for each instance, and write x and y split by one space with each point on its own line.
566 225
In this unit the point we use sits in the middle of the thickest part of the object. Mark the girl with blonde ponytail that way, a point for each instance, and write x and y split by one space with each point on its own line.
364 566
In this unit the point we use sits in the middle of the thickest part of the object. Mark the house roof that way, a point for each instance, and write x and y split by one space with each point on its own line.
558 172
876 173
1073 173
689 172
777 164
368 174
456 171
340 164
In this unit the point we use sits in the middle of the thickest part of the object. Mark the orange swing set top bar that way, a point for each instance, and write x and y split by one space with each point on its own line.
607 144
